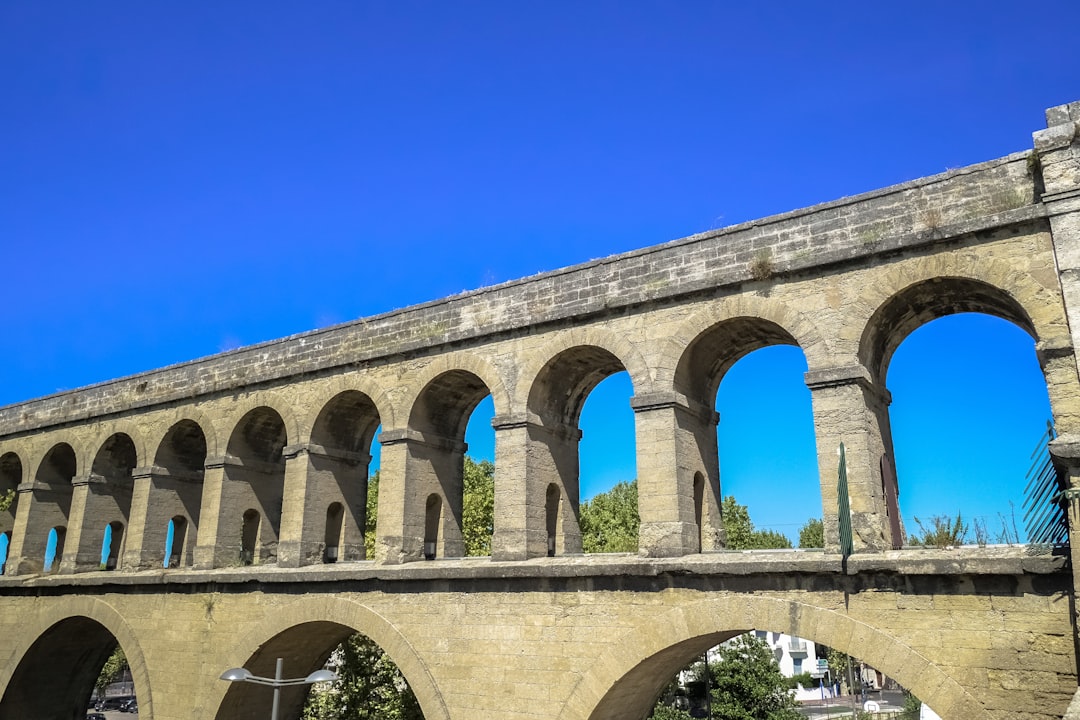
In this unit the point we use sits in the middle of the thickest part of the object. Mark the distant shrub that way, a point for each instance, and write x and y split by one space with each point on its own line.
940 532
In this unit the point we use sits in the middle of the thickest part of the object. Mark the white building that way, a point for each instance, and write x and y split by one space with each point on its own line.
794 655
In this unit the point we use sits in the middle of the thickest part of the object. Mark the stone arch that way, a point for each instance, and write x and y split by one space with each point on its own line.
346 421
316 403
172 489
565 376
183 448
437 422
714 351
627 678
58 465
627 353
195 417
103 500
328 620
243 408
461 362
787 324
87 611
910 295
115 458
338 464
254 466
127 428
48 506
259 434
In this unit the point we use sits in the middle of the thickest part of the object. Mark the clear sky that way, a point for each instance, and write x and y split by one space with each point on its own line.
178 179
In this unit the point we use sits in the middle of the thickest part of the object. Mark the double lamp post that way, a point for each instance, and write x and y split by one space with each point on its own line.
277 682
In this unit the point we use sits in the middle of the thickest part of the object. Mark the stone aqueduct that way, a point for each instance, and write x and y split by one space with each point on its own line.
259 459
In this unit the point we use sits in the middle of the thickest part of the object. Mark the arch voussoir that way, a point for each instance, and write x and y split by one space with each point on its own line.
596 695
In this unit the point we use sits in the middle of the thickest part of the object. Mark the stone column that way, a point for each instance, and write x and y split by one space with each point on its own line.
215 546
315 478
416 466
676 446
42 506
78 556
157 497
1057 157
850 408
520 507
532 458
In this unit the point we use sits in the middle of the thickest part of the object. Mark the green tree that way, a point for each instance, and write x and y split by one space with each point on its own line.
478 507
7 498
747 683
112 669
839 664
667 712
741 534
370 687
912 707
372 515
812 534
609 522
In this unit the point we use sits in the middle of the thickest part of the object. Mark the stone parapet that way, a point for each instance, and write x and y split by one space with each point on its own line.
1014 560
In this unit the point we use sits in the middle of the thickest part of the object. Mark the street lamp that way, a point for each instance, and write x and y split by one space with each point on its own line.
277 682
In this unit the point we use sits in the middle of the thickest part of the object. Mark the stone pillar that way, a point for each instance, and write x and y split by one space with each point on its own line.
1057 152
532 458
316 477
96 502
42 506
850 408
676 446
76 555
415 467
219 538
159 496
520 500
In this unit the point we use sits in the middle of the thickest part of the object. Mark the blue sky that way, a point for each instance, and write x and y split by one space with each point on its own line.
181 179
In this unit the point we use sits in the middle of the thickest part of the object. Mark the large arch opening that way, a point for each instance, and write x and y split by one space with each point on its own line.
560 403
607 456
969 405
49 506
107 503
760 464
629 679
370 684
962 374
340 457
437 469
255 469
56 677
175 489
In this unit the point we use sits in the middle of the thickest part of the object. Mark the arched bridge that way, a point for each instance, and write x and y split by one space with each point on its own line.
234 487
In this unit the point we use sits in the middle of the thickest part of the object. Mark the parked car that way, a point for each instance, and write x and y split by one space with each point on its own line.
131 706
95 716
113 703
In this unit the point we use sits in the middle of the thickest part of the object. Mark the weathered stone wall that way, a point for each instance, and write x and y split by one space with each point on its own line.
976 635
